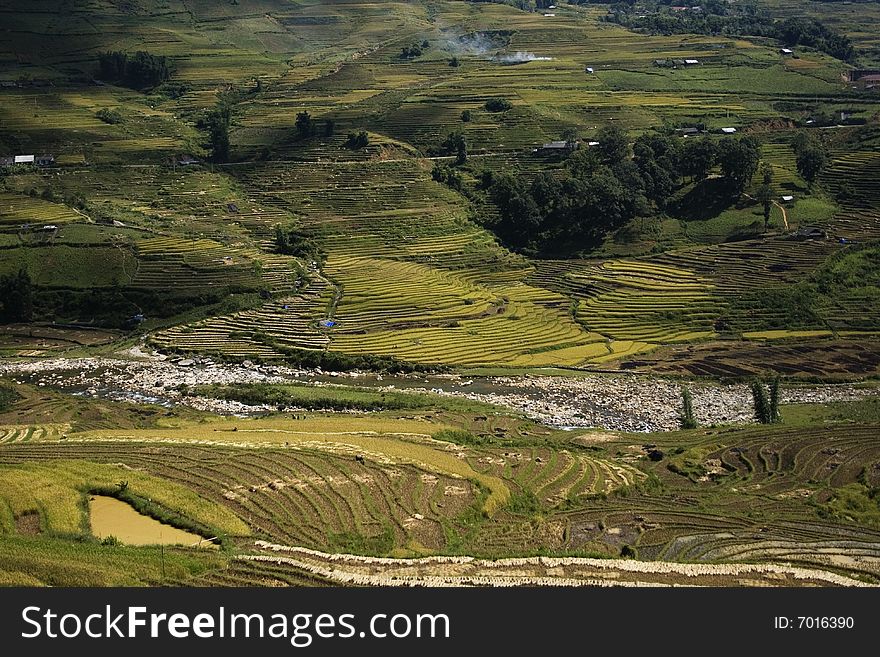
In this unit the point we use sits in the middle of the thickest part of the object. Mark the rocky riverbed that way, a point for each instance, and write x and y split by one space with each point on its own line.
613 402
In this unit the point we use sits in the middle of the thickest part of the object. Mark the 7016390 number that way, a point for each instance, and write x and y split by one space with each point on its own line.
813 623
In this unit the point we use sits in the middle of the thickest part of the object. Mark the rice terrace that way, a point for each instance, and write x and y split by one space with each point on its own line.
439 293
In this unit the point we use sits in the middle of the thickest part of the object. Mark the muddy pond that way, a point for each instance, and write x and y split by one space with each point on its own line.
112 517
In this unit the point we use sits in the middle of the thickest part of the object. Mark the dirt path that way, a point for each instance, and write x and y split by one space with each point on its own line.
784 214
778 205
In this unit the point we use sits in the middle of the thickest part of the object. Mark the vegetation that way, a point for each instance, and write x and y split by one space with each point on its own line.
140 70
331 190
728 18
687 419
16 297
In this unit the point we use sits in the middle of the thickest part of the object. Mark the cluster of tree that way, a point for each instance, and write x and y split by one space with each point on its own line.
813 34
455 144
216 123
141 70
293 241
811 156
498 105
307 126
109 116
766 407
357 140
447 175
602 188
413 51
727 18
687 419
16 297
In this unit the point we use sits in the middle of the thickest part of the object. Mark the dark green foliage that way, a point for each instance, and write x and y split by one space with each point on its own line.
305 125
109 116
329 128
139 71
454 62
698 156
775 417
291 240
613 145
456 144
687 420
763 413
810 155
739 159
447 175
466 116
357 140
16 297
498 105
735 19
216 123
811 33
315 398
764 195
413 51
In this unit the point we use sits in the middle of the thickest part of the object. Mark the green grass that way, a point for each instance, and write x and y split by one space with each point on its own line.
43 561
338 398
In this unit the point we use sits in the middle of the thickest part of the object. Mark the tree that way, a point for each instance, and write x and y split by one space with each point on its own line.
613 145
455 143
698 156
329 128
454 62
217 124
687 420
498 105
466 116
739 158
305 125
291 240
775 417
357 140
762 406
765 194
139 71
16 297
810 162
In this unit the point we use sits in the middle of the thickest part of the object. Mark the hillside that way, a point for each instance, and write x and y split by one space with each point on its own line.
594 287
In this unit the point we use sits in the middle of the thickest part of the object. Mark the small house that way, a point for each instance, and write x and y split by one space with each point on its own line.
45 160
24 159
7 161
558 146
728 131
592 143
589 69
786 51
690 130
186 160
788 198
691 62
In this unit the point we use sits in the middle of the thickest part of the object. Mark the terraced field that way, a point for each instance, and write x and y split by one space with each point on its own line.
339 229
